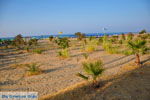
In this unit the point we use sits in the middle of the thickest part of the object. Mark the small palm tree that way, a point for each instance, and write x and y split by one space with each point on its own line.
33 42
64 53
138 47
85 55
80 35
142 31
63 42
33 69
130 36
93 68
19 42
51 38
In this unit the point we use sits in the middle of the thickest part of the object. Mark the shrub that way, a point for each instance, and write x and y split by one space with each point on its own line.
27 48
129 36
138 47
33 69
113 40
143 36
80 35
123 36
19 42
64 53
120 41
91 45
7 42
85 55
91 38
90 48
85 41
115 37
63 42
142 31
92 68
127 52
32 42
100 40
1 41
105 38
38 51
51 38
109 48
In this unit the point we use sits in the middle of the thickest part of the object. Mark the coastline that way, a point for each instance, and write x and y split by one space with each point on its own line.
68 35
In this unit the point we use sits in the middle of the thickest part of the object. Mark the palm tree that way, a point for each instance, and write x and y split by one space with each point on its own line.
80 35
33 69
142 31
93 68
51 38
138 47
19 42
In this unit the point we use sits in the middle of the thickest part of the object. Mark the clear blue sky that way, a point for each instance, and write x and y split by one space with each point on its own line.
36 17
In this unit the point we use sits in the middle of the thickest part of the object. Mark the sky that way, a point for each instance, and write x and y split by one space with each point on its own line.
42 17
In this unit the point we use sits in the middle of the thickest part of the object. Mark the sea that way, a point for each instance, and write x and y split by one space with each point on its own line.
66 35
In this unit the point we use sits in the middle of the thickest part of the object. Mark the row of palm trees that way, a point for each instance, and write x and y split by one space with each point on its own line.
20 43
137 46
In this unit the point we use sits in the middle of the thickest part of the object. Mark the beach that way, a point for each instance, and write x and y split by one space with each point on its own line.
57 73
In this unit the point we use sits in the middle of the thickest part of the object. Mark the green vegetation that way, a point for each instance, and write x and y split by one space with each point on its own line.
29 44
7 42
100 40
51 38
142 31
91 45
127 52
129 36
92 68
85 55
63 42
19 42
38 51
114 39
108 46
80 35
64 53
127 45
144 36
138 47
91 38
123 37
33 69
33 42
1 41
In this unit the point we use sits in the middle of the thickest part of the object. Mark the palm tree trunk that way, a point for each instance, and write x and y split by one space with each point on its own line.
137 59
94 83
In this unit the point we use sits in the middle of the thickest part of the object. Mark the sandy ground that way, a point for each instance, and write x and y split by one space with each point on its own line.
58 74
133 83
130 86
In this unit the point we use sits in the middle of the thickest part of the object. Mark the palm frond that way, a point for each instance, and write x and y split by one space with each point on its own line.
93 68
82 76
137 46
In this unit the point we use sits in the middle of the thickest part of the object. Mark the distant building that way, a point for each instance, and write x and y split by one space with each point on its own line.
27 38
